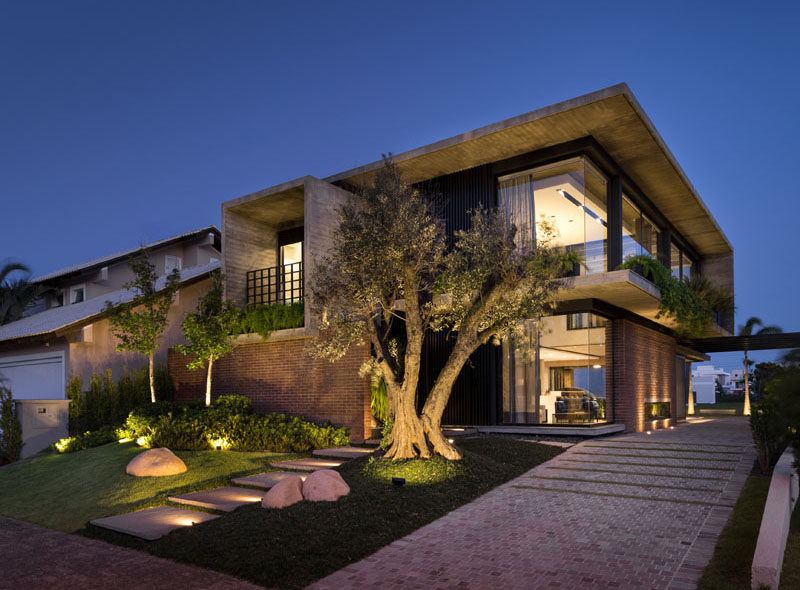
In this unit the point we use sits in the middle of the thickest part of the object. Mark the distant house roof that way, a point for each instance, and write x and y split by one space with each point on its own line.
59 318
111 258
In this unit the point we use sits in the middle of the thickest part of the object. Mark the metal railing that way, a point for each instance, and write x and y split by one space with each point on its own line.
276 284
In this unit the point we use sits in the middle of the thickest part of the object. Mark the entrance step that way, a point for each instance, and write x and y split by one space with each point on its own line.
222 499
152 523
373 442
265 480
343 452
311 464
454 431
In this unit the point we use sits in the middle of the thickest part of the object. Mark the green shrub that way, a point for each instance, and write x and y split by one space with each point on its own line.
184 432
106 403
87 440
265 319
10 428
230 424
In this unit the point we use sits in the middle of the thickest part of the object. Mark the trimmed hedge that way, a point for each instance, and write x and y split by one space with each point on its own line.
87 440
229 423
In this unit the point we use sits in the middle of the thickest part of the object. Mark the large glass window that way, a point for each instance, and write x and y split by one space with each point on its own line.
571 197
675 260
639 234
556 373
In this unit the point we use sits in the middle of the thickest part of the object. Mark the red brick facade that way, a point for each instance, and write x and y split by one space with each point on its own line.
644 371
279 376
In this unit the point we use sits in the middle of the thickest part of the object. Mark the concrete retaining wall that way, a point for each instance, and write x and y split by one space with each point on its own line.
783 493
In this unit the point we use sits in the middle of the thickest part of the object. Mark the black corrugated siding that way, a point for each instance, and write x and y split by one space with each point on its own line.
475 394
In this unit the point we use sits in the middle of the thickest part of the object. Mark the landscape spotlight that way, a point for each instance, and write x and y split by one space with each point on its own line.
399 481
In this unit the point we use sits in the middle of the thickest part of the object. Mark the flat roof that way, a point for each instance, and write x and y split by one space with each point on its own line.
741 343
612 116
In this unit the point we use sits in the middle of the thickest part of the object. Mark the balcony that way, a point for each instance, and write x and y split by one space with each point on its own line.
275 284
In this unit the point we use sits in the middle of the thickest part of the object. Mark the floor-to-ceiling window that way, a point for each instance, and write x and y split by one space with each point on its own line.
639 234
555 371
570 196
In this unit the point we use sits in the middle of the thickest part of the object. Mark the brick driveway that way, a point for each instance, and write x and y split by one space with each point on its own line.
35 557
632 511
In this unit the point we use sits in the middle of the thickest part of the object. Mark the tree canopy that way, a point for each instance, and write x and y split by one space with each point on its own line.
389 278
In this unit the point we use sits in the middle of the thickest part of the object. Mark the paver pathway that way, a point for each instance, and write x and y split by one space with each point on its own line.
631 511
38 558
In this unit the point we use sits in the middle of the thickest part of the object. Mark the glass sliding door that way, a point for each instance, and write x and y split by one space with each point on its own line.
555 371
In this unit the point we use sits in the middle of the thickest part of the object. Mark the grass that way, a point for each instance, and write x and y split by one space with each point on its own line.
790 574
730 566
292 547
64 492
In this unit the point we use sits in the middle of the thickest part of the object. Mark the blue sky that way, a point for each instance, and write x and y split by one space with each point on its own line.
123 122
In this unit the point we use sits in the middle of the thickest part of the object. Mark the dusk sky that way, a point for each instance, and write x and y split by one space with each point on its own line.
126 122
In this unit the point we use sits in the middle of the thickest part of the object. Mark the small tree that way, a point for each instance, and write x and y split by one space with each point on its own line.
209 330
389 272
139 324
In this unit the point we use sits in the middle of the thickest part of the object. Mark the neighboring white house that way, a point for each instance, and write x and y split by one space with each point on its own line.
68 333
737 381
704 383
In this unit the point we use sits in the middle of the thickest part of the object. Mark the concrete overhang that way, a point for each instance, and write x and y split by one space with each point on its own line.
278 206
625 289
611 116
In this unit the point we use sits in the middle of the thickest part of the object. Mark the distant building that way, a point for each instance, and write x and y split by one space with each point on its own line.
704 383
737 382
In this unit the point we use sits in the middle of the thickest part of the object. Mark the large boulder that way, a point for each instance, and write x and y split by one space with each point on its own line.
155 462
284 493
325 485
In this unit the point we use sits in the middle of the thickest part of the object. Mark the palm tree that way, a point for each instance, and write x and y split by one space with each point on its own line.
749 330
16 294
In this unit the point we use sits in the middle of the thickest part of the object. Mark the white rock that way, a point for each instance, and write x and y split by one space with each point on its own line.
155 463
325 485
284 493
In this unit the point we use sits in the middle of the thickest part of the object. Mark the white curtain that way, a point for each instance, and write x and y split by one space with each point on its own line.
516 197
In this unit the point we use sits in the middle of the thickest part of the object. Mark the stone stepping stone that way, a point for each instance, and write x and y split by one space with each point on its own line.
343 452
265 480
311 464
222 499
152 523
555 443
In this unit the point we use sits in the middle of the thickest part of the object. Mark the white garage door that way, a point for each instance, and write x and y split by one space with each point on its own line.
34 376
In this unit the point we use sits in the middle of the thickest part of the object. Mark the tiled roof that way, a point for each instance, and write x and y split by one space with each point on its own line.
67 315
105 260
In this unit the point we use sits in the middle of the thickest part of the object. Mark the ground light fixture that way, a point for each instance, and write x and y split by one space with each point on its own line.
399 481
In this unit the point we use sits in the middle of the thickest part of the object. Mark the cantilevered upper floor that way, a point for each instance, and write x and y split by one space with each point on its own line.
594 166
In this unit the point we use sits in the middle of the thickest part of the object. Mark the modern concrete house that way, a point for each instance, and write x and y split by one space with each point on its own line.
705 379
594 165
67 333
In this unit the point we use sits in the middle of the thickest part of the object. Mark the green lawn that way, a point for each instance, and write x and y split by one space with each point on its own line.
65 491
733 556
790 575
292 547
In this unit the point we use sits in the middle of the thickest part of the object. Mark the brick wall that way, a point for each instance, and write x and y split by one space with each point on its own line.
644 371
279 376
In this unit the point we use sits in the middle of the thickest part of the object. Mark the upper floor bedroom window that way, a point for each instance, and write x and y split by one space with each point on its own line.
571 196
172 263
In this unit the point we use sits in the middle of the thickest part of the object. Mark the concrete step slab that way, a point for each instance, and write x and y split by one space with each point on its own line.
372 441
266 480
343 452
222 499
311 464
152 523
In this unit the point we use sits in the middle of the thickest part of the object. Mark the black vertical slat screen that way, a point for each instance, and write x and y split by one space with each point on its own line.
474 397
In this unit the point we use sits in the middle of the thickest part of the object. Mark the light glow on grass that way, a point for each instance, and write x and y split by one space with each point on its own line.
415 471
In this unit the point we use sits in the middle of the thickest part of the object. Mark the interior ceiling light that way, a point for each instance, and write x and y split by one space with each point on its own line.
578 204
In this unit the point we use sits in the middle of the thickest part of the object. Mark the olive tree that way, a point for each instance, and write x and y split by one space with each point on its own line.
139 324
210 330
390 277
